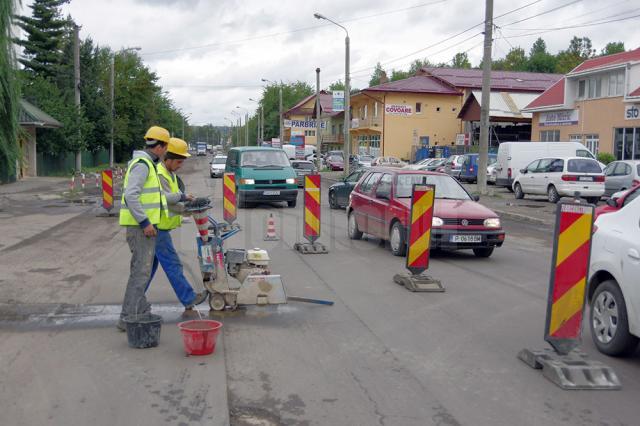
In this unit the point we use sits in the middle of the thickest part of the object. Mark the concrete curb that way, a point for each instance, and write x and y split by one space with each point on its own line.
521 217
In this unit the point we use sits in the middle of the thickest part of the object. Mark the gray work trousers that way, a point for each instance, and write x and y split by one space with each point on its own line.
143 251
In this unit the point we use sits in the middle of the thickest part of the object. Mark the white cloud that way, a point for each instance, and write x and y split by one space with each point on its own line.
159 25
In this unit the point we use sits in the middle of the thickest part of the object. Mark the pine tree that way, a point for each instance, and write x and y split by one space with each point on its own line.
45 33
9 150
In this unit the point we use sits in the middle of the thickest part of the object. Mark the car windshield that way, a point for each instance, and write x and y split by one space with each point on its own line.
264 158
336 158
219 160
303 166
583 166
492 160
446 186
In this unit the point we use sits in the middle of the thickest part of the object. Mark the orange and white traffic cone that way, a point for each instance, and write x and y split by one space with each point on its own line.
202 223
270 235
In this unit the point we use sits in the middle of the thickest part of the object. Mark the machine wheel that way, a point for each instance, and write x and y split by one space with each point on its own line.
232 301
216 302
483 252
352 227
517 190
397 240
609 322
552 194
333 203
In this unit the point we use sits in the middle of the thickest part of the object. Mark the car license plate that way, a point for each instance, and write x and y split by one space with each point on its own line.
466 238
271 192
586 179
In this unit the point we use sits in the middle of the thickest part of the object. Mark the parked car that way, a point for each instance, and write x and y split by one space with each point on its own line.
262 174
364 160
469 172
613 291
618 201
217 165
513 156
381 201
303 168
339 192
453 165
418 165
558 177
621 175
434 165
388 162
334 162
492 173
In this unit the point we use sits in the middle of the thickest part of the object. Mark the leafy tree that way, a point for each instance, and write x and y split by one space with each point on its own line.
45 31
399 75
9 96
338 85
613 47
461 60
375 77
539 59
516 60
579 50
418 64
292 93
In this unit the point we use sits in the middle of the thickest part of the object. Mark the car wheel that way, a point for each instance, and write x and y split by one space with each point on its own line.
397 240
291 203
552 194
518 192
212 176
483 252
352 227
333 203
609 322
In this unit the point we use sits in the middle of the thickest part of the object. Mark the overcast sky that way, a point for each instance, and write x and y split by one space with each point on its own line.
211 54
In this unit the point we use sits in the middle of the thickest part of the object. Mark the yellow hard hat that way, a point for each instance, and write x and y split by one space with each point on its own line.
156 133
178 147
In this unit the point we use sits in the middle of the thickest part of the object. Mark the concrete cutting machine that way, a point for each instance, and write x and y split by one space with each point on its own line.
233 277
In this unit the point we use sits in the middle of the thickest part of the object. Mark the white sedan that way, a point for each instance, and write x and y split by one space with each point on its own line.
614 288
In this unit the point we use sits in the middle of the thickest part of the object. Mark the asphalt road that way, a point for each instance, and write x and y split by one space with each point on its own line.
380 356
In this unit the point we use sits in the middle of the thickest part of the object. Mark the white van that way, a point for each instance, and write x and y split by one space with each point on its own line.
291 150
513 156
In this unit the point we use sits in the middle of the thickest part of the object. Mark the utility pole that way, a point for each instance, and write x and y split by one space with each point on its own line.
318 146
347 106
486 97
76 86
112 82
246 129
261 123
281 124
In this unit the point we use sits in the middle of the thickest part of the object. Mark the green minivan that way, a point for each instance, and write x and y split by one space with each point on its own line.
262 175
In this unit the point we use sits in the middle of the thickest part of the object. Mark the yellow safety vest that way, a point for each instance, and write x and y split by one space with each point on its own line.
171 220
152 198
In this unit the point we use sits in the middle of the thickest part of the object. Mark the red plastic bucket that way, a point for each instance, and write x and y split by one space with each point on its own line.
199 336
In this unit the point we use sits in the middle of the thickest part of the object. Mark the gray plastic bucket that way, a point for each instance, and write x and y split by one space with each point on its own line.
143 331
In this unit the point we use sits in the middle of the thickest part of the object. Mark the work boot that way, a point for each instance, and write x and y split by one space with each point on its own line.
121 325
200 297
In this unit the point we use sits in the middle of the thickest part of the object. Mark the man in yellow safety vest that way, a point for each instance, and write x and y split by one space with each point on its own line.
166 253
143 205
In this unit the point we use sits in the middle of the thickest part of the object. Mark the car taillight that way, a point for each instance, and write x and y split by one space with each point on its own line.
509 172
598 178
471 169
569 178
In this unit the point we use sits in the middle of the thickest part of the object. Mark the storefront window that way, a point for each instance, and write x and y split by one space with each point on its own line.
363 144
626 143
550 136
592 142
575 138
374 145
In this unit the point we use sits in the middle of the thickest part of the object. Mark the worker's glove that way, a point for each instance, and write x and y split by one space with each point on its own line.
199 203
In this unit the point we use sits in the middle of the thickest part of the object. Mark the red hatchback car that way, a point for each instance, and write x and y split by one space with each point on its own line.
380 205
615 204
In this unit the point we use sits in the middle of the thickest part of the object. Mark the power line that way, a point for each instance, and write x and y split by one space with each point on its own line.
542 13
264 36
588 22
575 26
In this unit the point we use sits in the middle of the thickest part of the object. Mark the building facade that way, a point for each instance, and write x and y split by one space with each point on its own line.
597 104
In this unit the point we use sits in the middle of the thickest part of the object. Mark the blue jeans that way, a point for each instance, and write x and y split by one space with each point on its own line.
168 257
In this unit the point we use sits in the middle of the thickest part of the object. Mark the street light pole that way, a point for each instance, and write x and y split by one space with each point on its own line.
184 118
486 97
246 125
347 93
112 83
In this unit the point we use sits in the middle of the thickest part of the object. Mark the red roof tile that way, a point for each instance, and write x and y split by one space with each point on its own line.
500 80
416 84
326 103
552 96
635 92
603 61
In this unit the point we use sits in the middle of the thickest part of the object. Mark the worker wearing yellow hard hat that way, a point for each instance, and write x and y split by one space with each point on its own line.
143 207
166 253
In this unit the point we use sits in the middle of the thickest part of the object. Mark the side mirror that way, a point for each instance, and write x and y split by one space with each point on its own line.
524 171
611 202
476 198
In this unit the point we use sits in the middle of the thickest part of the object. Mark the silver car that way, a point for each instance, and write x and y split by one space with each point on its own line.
303 168
621 175
217 165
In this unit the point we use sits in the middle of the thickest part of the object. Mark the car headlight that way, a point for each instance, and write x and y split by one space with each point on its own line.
436 221
492 222
247 181
291 180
